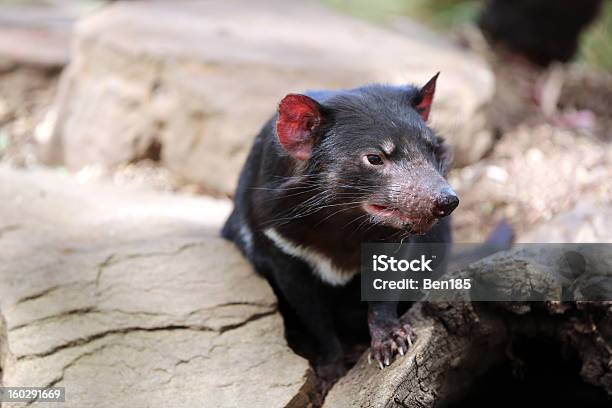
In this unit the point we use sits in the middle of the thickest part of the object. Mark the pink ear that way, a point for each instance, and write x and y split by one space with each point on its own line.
425 98
296 126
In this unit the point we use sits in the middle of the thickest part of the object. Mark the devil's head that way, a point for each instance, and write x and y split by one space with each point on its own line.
373 151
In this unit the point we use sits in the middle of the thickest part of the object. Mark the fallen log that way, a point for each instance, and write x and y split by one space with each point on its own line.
502 353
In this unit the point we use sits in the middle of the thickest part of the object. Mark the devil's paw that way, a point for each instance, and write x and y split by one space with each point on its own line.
390 339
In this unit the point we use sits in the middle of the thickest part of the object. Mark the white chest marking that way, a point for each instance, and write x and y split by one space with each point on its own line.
247 238
319 263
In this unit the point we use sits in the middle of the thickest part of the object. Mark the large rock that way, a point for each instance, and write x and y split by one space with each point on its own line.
198 80
128 298
42 33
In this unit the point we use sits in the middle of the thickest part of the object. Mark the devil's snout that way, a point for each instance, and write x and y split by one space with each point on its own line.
445 203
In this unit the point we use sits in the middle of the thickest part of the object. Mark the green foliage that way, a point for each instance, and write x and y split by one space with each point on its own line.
444 14
596 46
439 13
370 10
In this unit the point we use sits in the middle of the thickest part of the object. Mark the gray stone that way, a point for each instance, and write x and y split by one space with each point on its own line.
201 78
129 298
587 222
36 36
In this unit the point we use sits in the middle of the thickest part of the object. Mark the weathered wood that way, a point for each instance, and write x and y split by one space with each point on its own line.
460 341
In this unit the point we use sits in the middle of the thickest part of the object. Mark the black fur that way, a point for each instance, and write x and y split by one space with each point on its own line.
318 203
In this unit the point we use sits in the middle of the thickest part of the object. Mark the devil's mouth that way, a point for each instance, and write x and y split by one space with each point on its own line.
382 210
419 225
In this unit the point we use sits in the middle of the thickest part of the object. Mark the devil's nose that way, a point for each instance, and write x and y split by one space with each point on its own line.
445 204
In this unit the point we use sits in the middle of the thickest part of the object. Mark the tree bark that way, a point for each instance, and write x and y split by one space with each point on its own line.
459 342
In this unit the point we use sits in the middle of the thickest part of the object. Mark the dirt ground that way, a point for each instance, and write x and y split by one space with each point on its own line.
533 173
25 96
538 168
554 148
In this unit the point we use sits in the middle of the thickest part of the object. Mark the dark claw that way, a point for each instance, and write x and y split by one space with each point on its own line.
389 342
410 334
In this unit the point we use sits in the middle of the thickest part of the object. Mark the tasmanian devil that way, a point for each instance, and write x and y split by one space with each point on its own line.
330 171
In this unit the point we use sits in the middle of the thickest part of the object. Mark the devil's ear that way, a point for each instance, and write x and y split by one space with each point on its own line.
424 99
298 123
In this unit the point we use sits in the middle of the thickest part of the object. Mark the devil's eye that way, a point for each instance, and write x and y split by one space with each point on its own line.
374 159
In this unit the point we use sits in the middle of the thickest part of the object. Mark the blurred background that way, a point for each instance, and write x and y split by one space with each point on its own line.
451 16
168 94
124 126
